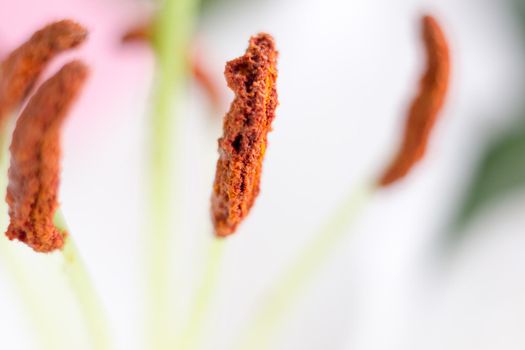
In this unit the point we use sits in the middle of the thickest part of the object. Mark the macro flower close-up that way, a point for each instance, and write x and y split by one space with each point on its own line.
262 175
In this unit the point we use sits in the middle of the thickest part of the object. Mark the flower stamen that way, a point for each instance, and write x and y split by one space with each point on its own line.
35 160
252 77
424 111
21 69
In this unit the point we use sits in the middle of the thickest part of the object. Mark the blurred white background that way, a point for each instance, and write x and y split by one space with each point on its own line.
347 72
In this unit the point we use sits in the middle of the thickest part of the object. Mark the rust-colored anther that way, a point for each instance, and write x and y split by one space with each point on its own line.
35 160
426 106
205 79
21 69
252 78
140 33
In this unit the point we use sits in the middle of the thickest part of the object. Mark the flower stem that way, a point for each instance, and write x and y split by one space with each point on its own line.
191 334
84 291
172 33
281 298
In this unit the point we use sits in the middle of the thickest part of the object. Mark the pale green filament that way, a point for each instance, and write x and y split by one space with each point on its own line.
190 338
280 300
172 34
84 291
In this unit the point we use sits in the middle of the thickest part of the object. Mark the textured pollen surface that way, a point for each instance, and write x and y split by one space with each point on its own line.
20 70
426 106
35 160
252 78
